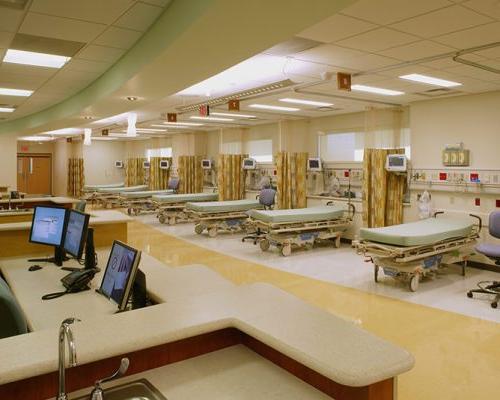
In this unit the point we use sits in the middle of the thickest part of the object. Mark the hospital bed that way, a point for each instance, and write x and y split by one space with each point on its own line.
301 227
220 216
414 250
172 208
141 201
90 191
110 197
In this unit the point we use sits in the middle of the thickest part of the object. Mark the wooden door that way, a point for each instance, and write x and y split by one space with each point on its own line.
34 173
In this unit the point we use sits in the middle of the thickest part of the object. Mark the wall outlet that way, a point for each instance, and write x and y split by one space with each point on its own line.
477 201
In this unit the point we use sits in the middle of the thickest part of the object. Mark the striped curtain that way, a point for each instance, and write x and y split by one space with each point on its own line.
291 179
190 174
76 177
382 191
231 177
134 171
158 178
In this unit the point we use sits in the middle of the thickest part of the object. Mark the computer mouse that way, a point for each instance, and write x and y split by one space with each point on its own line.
34 268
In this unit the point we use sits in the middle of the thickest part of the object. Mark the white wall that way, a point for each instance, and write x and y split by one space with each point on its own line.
99 162
8 170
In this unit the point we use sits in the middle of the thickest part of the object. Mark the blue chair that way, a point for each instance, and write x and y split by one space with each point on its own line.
12 321
173 184
80 206
492 251
266 197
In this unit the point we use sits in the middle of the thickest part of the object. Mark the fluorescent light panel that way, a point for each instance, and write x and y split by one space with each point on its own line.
232 115
430 80
216 119
274 108
376 90
7 109
36 59
173 124
35 138
15 92
306 102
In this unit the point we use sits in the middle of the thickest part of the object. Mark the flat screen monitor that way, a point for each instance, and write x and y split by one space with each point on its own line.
249 163
120 273
314 164
119 164
164 164
395 162
48 225
206 164
76 233
146 164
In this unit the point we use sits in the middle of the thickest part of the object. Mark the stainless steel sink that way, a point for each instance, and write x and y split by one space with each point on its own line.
141 389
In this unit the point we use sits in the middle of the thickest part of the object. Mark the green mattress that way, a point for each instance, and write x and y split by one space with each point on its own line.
108 186
123 189
224 206
427 231
310 214
144 194
184 198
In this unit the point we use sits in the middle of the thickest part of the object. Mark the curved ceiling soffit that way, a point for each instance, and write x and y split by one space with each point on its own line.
185 27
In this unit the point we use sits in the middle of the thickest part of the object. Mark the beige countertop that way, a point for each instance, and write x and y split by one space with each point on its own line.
10 213
55 200
97 217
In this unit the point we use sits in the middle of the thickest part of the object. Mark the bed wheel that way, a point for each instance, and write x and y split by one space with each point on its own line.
129 211
286 250
264 244
199 228
414 281
376 269
162 219
172 221
494 304
212 232
136 211
469 295
337 242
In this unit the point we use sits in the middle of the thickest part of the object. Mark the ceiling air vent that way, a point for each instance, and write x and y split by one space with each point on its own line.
328 108
439 92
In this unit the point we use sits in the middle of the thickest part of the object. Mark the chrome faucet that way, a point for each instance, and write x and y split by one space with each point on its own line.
65 333
97 393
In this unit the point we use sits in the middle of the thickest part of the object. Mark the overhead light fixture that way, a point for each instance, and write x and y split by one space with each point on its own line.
64 132
307 102
87 136
430 80
15 92
35 138
376 90
36 59
148 130
132 98
233 115
104 138
7 109
173 124
88 117
274 108
215 119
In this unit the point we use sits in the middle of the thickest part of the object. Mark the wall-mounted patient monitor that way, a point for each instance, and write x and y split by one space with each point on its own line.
396 163
76 233
120 273
119 164
164 164
206 164
249 163
146 165
314 164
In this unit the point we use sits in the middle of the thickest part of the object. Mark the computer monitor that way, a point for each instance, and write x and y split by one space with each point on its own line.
76 233
120 273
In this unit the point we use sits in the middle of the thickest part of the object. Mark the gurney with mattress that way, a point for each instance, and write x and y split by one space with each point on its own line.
90 191
172 208
414 250
220 216
110 197
301 227
141 201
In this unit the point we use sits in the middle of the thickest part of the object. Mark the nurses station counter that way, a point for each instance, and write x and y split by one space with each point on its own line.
30 202
108 225
255 341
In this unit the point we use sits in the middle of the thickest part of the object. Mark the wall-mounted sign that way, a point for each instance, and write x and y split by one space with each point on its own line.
69 140
105 132
171 117
343 81
204 110
456 158
233 105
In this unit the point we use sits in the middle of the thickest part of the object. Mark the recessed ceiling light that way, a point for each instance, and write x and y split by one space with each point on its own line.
307 102
36 59
88 117
430 80
7 109
15 92
275 108
371 89
132 98
233 115
173 124
34 138
212 119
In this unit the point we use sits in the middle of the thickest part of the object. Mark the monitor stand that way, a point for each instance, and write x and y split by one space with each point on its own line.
58 259
90 254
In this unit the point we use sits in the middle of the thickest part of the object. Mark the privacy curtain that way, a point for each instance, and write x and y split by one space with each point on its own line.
134 171
76 177
190 174
291 169
382 191
158 178
231 177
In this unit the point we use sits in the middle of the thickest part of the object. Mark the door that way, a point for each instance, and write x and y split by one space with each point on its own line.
34 173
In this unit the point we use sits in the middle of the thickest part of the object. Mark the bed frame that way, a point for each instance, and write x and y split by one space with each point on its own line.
213 222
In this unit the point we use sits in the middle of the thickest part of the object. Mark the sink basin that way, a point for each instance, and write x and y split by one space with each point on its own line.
141 389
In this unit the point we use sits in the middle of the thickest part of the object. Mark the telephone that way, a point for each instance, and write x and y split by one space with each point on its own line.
14 195
78 281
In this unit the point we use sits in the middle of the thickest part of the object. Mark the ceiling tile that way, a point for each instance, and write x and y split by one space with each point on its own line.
77 64
368 62
29 70
104 12
494 52
377 40
472 37
389 11
368 79
5 39
12 100
486 7
335 28
417 50
161 3
60 28
409 69
442 21
118 37
446 63
328 54
139 17
100 53
473 72
20 81
10 19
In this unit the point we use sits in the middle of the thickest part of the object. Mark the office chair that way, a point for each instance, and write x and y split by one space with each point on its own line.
173 184
266 197
492 251
12 321
80 206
